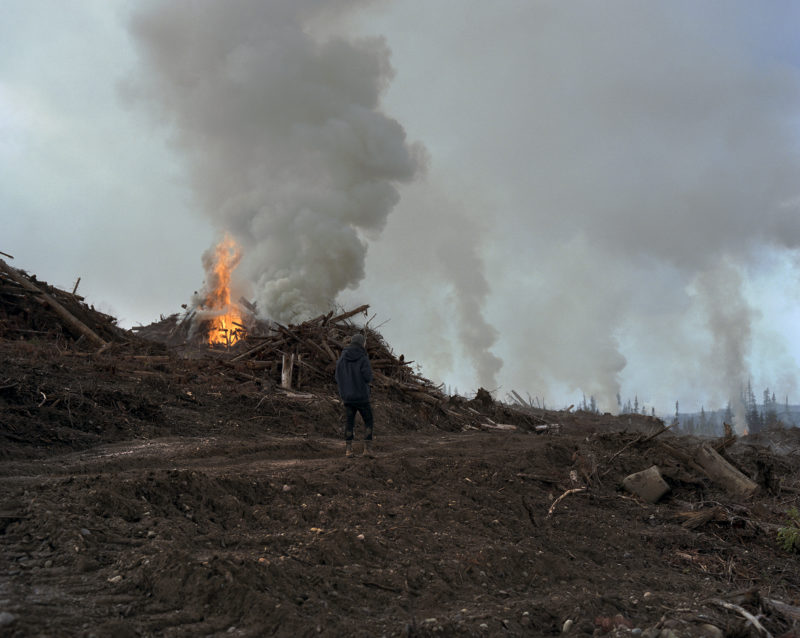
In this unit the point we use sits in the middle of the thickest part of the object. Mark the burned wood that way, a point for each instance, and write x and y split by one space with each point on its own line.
251 307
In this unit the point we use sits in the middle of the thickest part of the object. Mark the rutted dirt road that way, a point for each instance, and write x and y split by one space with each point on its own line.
442 534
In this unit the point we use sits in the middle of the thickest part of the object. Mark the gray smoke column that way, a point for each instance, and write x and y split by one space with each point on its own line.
286 143
464 269
632 150
729 319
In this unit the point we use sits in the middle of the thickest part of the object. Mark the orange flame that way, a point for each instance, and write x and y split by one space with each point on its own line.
223 328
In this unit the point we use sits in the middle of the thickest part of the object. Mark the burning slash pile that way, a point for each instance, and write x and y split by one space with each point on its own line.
213 319
293 356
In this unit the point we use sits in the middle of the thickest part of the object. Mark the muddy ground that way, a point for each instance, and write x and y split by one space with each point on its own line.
144 493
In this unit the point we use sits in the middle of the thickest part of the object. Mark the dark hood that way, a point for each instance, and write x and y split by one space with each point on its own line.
354 352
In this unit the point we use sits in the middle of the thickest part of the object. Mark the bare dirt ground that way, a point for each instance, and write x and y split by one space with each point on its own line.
181 499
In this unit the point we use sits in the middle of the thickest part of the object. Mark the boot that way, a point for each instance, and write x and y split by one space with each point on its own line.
368 450
348 448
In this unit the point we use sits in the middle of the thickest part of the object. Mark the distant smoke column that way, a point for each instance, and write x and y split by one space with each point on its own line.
285 141
465 271
729 322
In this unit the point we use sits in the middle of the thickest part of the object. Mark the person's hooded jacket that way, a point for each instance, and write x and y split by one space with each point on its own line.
353 374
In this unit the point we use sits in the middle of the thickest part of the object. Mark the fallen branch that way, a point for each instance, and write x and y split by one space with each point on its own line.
693 520
574 490
267 345
740 610
638 439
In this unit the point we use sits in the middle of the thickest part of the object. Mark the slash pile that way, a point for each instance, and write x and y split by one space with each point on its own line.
30 308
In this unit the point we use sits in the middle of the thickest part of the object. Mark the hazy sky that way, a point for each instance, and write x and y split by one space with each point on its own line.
556 197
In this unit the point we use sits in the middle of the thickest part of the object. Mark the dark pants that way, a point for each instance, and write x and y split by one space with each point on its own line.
350 409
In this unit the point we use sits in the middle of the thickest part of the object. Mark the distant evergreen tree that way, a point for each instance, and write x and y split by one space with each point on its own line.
752 416
676 421
770 413
728 414
593 405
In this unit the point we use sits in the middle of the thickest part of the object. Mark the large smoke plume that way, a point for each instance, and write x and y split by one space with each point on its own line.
286 143
639 159
605 178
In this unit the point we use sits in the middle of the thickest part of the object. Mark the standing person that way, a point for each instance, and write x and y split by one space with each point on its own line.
353 375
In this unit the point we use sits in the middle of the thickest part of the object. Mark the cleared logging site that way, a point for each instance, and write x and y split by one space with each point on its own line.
156 484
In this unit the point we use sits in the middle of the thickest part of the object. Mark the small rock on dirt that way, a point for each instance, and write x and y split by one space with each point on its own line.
7 619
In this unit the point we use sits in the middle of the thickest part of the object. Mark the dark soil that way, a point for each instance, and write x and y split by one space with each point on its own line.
146 494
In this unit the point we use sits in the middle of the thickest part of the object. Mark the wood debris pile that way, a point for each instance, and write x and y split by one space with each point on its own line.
305 354
294 359
33 309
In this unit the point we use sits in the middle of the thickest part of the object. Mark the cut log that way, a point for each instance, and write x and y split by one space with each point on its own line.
647 484
498 426
720 471
287 366
352 313
60 310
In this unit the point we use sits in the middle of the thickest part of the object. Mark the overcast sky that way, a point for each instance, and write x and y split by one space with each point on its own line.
556 197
